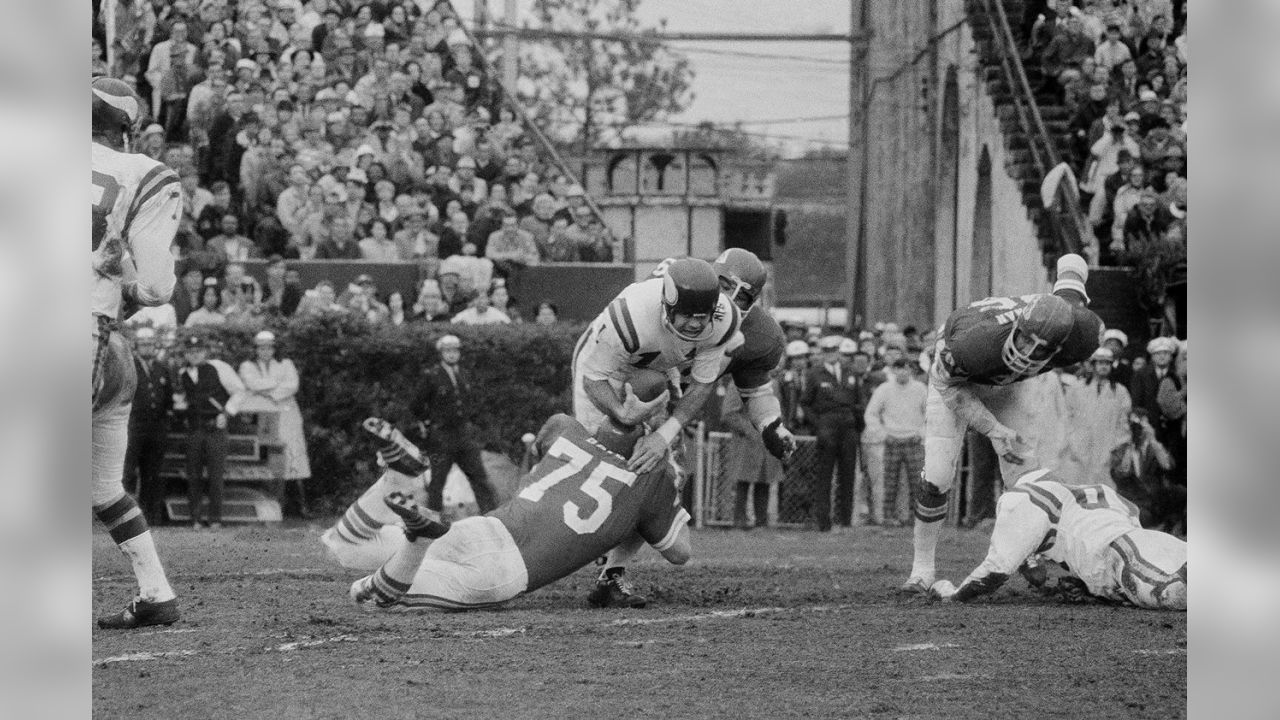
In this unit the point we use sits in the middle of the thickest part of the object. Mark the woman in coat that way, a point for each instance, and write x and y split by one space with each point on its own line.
1098 422
272 384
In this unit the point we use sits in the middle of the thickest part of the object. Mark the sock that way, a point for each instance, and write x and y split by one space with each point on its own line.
129 529
394 578
618 557
931 510
368 513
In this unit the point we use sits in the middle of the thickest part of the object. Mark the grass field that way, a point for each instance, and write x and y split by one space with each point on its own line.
762 624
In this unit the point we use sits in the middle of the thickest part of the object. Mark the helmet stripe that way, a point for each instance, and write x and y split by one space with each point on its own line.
127 105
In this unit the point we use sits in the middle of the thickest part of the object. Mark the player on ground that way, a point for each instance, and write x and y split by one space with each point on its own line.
985 355
741 277
1093 532
137 203
574 504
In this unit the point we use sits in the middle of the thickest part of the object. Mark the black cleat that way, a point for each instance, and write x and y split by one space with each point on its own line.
396 452
614 590
140 613
418 522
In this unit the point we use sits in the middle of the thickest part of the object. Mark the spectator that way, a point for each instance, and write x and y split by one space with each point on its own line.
414 240
445 405
319 300
511 248
896 413
229 245
210 393
454 234
1097 423
430 305
272 385
1127 197
832 401
599 246
1121 369
236 282
481 312
1171 398
280 296
1147 221
377 244
395 309
1140 470
172 71
792 385
751 469
538 224
1145 386
465 177
209 312
148 426
340 242
187 296
501 300
294 205
548 314
1112 51
452 294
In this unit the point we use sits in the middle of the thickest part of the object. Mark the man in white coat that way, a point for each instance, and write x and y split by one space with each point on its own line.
272 384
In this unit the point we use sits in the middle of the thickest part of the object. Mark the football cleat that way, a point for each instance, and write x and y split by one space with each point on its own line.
141 613
917 585
397 453
363 594
614 590
418 521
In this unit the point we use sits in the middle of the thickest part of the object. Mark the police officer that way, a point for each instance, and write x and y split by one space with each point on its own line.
444 406
832 399
210 393
149 424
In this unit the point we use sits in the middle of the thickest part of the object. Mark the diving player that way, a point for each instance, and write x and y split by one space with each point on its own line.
1093 532
136 205
576 502
984 360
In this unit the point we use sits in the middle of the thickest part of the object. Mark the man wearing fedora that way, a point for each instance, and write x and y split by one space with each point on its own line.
209 393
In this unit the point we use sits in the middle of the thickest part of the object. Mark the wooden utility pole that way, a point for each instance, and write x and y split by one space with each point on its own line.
855 243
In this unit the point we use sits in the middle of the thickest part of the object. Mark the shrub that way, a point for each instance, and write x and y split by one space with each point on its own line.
350 370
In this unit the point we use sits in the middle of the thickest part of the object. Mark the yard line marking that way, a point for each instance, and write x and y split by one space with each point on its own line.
924 646
282 647
270 572
290 646
1175 651
721 614
167 631
132 657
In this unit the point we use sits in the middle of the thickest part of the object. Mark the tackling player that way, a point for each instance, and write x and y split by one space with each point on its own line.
984 357
1093 532
136 205
741 278
575 503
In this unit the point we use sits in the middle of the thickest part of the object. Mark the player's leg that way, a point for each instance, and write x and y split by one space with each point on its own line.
760 503
363 538
873 467
846 473
893 467
824 468
944 436
195 452
216 444
1027 408
1152 569
155 603
390 582
613 589
912 462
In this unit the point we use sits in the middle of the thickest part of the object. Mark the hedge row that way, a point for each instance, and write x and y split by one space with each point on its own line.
350 370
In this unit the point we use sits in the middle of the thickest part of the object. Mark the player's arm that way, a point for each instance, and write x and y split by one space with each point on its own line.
755 387
665 523
959 396
599 361
152 222
651 448
1020 528
680 550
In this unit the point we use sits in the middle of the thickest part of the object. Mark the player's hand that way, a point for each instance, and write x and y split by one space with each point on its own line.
221 421
778 440
648 452
634 410
1007 444
942 590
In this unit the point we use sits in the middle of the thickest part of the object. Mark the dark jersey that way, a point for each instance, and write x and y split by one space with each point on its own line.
974 337
763 342
580 501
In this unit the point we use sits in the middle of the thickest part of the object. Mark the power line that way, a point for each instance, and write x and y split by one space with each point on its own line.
787 121
736 131
764 56
654 38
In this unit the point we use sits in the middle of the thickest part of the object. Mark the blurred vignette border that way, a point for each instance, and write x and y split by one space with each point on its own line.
44 391
1234 627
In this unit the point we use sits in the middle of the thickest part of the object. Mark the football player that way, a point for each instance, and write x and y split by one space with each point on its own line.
575 503
136 205
1093 532
741 278
982 377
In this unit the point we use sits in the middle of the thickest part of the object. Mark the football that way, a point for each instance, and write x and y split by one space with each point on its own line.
647 384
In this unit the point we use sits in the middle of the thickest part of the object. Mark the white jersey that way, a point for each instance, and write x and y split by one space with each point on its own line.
632 333
137 203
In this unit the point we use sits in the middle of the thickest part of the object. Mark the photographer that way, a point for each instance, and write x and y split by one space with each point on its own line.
1140 469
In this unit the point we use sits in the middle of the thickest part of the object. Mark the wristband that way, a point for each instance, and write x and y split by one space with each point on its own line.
668 430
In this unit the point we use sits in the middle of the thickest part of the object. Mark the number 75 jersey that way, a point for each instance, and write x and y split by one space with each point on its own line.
137 204
580 501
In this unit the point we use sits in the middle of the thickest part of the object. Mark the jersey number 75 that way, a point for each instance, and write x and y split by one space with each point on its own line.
576 462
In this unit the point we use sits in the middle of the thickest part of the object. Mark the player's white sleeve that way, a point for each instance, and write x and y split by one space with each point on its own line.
1021 527
762 405
706 365
150 232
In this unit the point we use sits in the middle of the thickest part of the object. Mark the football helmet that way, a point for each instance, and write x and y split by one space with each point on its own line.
689 287
741 275
1037 335
116 107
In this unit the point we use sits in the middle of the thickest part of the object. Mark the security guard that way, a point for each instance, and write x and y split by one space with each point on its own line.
832 399
149 425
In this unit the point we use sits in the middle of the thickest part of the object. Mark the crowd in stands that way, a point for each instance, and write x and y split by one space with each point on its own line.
332 129
1120 69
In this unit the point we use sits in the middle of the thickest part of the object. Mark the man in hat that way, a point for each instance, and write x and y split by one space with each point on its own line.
1116 341
984 377
1147 221
1144 386
464 176
148 425
445 406
209 394
833 401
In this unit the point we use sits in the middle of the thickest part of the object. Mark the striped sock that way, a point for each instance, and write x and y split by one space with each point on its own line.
386 588
128 528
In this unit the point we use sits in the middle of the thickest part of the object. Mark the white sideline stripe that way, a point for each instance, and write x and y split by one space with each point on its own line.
283 647
1175 651
270 572
721 614
924 646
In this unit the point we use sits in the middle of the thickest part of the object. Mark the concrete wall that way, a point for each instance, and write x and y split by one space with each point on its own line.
920 206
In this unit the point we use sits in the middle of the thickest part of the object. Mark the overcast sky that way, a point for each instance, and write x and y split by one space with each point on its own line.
731 85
